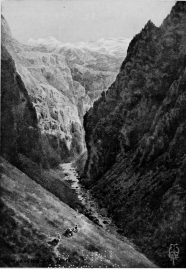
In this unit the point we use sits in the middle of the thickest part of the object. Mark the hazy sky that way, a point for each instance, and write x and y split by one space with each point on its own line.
81 20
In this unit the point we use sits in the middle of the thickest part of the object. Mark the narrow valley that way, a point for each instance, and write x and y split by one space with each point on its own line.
93 148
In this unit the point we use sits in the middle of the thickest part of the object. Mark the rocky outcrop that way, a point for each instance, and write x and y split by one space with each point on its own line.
135 135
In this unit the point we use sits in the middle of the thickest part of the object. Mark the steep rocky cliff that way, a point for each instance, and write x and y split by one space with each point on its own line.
49 85
19 131
93 65
135 135
62 82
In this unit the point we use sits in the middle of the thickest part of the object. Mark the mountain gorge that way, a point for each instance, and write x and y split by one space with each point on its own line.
41 126
135 136
122 107
62 82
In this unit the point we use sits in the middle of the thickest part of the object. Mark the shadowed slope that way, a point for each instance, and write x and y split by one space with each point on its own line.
135 137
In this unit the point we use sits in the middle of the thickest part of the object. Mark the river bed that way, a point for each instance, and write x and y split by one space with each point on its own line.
92 210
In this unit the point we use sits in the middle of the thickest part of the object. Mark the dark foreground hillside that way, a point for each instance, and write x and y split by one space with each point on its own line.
136 141
30 215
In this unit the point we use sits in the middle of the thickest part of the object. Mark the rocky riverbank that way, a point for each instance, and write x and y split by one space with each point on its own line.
91 208
87 203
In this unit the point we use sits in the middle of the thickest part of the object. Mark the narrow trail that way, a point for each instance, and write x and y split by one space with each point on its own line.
92 246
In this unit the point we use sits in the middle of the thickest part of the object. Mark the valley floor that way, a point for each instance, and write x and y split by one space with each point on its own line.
30 215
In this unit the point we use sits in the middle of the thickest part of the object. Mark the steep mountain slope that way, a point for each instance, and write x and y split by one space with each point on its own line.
21 140
19 131
135 135
30 215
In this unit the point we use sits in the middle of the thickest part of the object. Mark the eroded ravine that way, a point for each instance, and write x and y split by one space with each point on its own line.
92 210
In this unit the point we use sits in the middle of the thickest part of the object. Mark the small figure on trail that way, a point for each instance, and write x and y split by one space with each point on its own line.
69 232
54 241
75 229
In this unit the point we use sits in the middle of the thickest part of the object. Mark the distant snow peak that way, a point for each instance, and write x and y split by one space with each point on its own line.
46 42
110 46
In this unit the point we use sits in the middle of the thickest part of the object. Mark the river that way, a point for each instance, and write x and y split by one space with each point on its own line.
92 210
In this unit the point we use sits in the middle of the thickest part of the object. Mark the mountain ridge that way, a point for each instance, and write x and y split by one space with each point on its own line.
135 137
113 46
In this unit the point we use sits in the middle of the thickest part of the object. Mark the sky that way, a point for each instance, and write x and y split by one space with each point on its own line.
82 20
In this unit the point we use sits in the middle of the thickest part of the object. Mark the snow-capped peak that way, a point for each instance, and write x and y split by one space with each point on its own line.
46 42
110 46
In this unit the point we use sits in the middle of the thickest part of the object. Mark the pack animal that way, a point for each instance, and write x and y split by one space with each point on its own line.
69 232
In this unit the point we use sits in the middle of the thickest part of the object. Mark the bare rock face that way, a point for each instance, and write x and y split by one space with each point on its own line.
62 82
93 65
135 135
19 130
49 83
